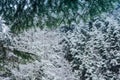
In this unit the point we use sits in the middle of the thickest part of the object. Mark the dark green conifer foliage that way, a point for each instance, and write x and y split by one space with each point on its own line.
21 14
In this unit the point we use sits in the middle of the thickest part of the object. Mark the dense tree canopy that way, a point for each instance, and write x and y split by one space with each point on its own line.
22 14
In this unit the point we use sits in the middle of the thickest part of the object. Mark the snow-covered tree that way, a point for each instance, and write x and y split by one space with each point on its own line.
11 57
22 14
93 49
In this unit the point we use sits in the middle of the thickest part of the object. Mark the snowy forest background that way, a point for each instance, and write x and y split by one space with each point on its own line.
60 40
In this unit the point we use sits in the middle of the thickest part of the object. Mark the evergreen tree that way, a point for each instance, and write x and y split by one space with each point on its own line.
94 51
22 14
10 57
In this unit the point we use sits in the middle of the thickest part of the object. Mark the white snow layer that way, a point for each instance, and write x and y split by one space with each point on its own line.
45 44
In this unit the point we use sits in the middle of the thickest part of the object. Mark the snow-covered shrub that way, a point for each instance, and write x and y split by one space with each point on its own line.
94 49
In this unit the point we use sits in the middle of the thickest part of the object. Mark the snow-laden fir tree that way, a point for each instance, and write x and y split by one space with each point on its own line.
94 49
